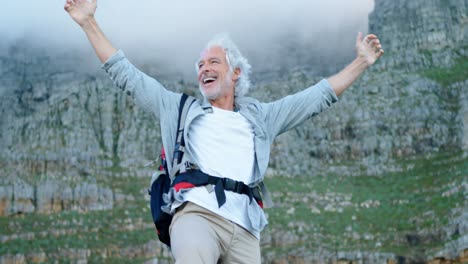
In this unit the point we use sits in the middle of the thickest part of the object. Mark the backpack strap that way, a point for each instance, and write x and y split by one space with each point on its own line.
177 165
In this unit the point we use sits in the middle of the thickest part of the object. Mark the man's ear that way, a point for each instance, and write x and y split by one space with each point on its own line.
236 75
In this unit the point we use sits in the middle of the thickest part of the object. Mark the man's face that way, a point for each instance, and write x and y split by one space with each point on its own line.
215 78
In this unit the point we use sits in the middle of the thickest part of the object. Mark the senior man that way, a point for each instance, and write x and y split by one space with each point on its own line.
228 135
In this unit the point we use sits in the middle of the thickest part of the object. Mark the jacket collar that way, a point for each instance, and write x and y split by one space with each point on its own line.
239 102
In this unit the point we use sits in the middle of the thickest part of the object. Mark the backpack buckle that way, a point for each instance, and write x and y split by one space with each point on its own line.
232 185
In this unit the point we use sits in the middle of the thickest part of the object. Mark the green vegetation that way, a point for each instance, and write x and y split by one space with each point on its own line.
121 227
331 212
386 208
445 77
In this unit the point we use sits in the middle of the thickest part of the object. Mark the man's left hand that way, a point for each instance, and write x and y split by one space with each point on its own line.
369 48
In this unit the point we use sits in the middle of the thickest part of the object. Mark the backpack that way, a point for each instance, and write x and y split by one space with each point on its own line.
161 180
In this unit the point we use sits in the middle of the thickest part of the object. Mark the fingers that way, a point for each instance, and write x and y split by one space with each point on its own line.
359 38
68 5
370 45
370 37
78 3
380 53
86 1
373 42
377 46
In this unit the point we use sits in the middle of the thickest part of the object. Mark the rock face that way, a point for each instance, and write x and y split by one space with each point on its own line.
421 34
55 119
68 122
412 102
50 197
67 135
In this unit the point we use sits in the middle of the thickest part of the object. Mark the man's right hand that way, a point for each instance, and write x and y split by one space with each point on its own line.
81 10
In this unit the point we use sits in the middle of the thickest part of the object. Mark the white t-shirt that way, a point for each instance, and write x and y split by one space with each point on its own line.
222 143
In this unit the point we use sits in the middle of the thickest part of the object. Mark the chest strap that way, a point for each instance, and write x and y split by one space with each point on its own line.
196 178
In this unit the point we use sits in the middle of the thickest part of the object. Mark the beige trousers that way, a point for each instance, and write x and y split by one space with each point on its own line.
200 236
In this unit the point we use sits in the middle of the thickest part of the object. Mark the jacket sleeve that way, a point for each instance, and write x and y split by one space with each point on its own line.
293 110
147 93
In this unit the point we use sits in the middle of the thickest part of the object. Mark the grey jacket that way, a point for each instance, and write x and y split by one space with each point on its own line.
268 119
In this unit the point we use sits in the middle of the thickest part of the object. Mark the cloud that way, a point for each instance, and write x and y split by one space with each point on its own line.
174 32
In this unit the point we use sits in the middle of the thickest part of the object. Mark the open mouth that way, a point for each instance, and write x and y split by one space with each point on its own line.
208 80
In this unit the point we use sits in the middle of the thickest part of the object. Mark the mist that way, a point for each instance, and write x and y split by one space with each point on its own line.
172 34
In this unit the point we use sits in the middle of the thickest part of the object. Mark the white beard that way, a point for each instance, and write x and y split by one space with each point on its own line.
218 90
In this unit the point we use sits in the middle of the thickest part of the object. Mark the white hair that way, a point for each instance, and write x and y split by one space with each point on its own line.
235 60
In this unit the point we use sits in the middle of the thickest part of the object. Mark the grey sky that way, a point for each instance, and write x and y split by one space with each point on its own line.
177 30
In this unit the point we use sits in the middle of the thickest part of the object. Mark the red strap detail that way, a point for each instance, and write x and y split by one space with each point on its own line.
163 153
183 185
260 203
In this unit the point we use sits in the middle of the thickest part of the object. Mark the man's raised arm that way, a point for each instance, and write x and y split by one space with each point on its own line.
82 11
368 51
147 92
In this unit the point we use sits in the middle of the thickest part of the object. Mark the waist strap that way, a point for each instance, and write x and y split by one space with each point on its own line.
196 178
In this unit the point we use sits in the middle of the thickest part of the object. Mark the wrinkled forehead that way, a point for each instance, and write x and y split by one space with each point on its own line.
212 52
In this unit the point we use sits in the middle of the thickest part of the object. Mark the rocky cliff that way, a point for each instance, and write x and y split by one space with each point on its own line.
71 142
412 102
